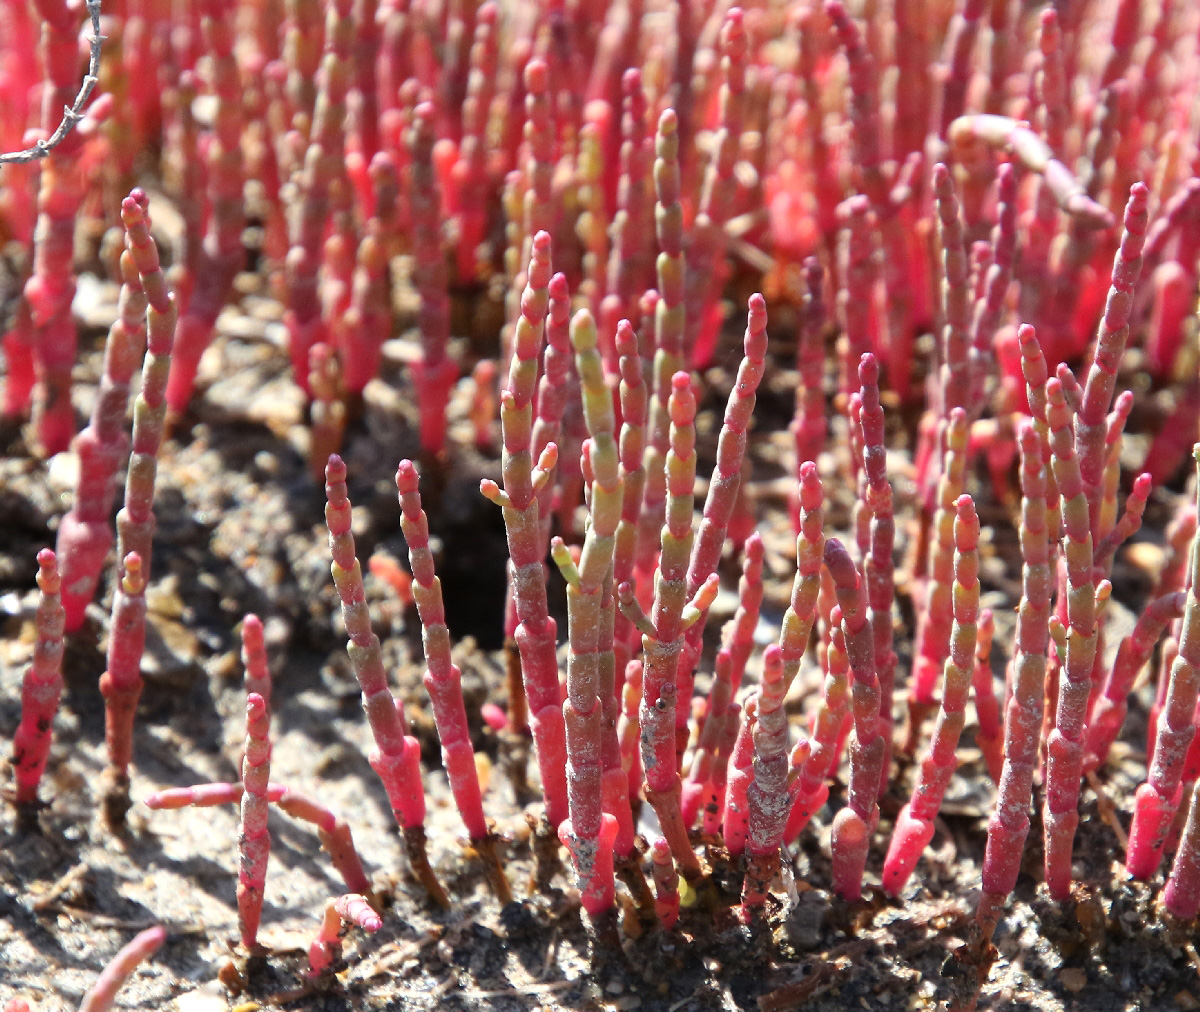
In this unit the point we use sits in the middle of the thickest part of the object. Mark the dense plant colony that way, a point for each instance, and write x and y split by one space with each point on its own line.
976 223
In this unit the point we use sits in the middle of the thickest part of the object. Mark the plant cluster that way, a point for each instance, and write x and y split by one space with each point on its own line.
970 226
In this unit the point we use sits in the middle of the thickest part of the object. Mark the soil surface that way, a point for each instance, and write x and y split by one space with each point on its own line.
240 528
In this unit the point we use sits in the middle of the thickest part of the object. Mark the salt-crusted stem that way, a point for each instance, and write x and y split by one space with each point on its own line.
810 547
1091 422
914 825
121 683
443 679
811 788
990 734
326 948
1110 708
85 534
809 425
1158 799
768 796
1182 893
877 565
1064 747
590 710
738 637
662 636
254 659
396 757
628 730
706 254
222 255
956 296
735 814
334 833
535 631
50 289
666 884
135 522
722 496
552 398
854 824
668 337
856 267
42 686
254 839
435 372
1034 155
1009 824
989 309
634 404
935 618
113 977
627 258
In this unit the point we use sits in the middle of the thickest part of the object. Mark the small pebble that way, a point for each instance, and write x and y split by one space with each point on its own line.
1073 979
1185 1000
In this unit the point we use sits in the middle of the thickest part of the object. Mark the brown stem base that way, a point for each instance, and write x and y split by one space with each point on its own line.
760 873
970 964
418 860
604 940
670 819
114 797
518 709
629 870
27 817
546 859
493 870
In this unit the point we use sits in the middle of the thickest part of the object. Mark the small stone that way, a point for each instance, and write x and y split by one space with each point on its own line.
1073 979
1185 1000
628 1002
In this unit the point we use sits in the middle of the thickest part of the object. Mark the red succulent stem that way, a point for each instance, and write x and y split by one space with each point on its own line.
1091 421
326 948
668 336
990 734
85 534
1009 824
1077 647
254 659
936 616
915 823
396 757
737 643
768 796
435 373
634 401
590 710
442 676
221 255
809 425
1108 714
102 994
877 564
722 494
254 838
674 612
523 482
830 725
42 685
666 884
1158 799
706 255
854 824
